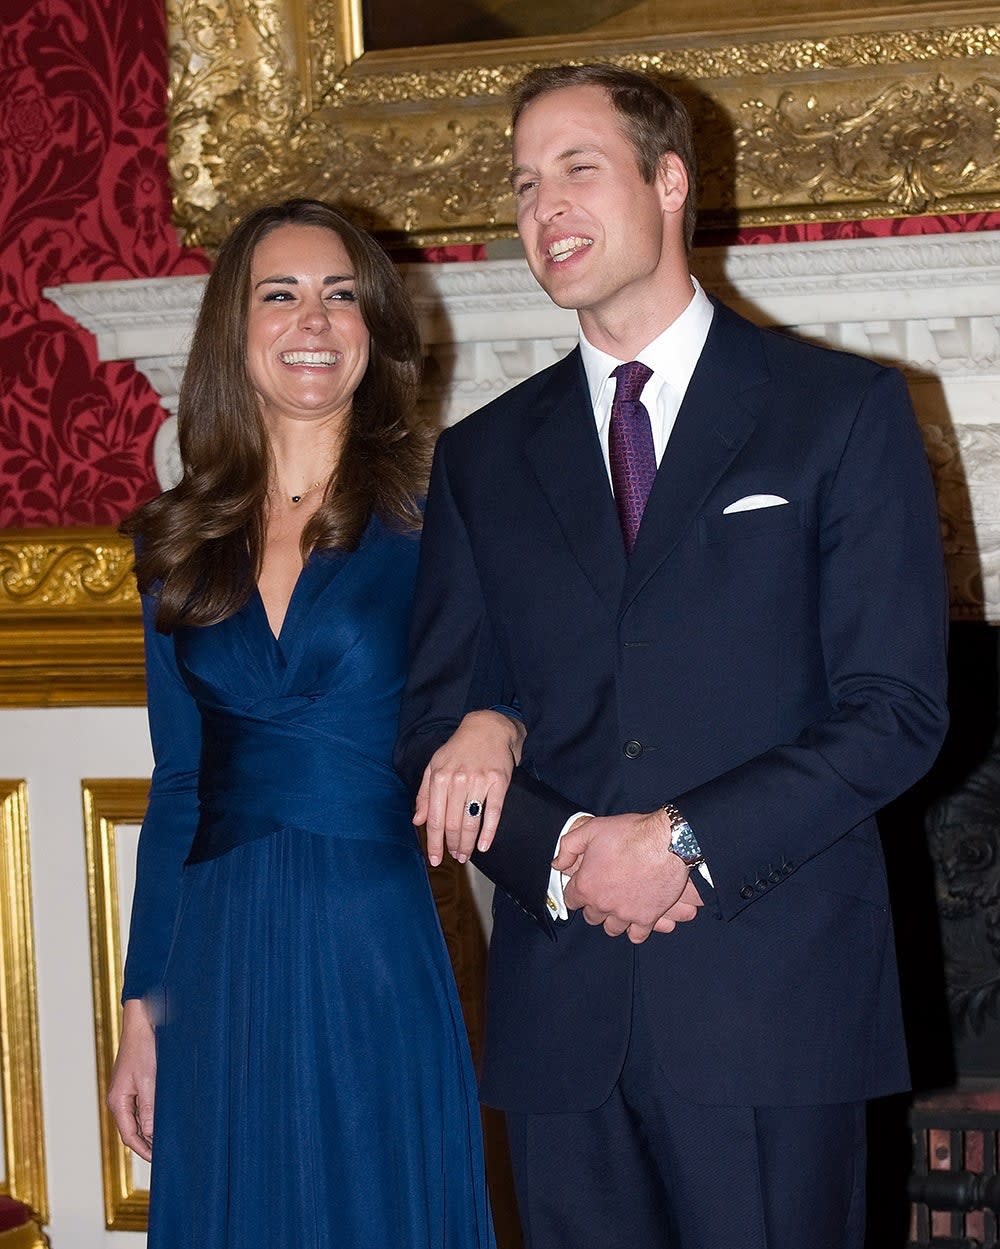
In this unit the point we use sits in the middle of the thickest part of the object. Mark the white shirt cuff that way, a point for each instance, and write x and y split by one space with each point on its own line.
557 880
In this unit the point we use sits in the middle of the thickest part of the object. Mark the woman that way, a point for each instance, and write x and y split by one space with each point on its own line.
286 978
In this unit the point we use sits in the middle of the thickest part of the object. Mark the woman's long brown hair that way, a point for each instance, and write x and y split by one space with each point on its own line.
200 545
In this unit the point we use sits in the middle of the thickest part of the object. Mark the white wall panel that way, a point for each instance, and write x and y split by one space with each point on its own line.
54 750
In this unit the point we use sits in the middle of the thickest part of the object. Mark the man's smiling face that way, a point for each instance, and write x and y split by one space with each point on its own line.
594 232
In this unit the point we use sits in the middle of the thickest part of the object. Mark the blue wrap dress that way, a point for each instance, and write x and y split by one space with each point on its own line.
314 1085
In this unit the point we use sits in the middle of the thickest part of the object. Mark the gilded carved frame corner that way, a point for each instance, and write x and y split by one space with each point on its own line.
70 625
106 805
890 111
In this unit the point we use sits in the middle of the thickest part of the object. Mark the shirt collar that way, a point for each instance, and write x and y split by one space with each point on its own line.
672 355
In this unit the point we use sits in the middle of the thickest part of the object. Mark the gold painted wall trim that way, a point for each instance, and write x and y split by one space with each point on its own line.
21 1080
70 627
106 804
890 112
27 1237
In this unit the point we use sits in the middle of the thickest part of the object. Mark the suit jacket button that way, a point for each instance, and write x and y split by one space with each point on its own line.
746 892
776 876
761 885
633 750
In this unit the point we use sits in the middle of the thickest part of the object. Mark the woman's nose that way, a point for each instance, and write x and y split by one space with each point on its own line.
313 314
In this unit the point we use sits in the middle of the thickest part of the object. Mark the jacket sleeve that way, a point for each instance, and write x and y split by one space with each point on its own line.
883 613
455 667
454 662
171 814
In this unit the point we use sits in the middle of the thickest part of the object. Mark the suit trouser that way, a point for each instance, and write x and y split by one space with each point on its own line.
652 1168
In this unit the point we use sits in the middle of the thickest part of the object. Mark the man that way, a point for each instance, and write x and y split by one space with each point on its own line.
732 687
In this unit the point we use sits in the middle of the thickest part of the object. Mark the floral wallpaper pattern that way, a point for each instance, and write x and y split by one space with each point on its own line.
84 196
809 232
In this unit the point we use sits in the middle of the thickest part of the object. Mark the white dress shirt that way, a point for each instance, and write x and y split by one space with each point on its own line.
672 356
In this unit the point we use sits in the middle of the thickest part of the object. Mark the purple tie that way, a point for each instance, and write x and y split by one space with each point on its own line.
630 448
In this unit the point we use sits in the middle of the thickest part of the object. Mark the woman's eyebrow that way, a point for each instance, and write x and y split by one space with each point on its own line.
330 280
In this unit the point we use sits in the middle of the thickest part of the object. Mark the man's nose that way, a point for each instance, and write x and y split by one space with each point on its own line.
550 203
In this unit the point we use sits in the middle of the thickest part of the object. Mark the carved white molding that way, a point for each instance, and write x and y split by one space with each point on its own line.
148 318
930 304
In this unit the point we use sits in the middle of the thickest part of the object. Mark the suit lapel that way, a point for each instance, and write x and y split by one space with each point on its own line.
565 454
727 390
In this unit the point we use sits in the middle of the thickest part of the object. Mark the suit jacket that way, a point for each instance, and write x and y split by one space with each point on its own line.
778 673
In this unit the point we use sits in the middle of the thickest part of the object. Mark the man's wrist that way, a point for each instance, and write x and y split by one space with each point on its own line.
683 841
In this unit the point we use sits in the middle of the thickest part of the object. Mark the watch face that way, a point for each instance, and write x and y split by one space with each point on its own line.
689 860
685 845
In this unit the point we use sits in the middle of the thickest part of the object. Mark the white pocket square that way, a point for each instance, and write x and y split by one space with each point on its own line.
752 501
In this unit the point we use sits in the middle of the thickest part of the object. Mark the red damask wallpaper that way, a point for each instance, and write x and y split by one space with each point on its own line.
83 197
810 232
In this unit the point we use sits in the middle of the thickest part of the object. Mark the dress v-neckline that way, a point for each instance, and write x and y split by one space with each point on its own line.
308 584
288 606
300 599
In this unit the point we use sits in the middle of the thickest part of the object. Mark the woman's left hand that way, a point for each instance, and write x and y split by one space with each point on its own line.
463 787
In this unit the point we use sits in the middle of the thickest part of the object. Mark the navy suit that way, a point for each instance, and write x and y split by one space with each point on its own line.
778 674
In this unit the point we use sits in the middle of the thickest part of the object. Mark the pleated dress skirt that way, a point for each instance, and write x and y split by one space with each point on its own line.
314 1087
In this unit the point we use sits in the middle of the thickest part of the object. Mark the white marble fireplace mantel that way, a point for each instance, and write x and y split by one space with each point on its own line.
930 304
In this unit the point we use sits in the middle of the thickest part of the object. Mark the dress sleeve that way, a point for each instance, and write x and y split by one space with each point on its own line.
171 814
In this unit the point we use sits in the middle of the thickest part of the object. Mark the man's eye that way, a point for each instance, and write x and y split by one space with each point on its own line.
581 168
521 187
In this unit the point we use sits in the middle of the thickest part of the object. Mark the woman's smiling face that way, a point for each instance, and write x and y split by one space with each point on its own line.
307 343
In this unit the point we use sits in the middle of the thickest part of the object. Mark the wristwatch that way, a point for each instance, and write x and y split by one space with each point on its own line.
683 842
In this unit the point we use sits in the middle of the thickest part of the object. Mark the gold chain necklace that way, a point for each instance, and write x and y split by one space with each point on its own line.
297 498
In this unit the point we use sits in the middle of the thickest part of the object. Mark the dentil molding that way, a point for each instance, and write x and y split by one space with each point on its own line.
928 304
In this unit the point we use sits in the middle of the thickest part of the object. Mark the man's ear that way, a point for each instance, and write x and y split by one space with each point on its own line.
672 180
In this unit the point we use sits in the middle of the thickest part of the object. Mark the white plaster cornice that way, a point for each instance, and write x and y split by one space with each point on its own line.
929 303
139 317
852 279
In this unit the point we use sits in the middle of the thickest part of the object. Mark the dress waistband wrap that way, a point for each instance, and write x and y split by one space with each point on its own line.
260 776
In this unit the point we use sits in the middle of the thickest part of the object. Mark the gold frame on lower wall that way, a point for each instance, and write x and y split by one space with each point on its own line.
70 625
107 803
20 1059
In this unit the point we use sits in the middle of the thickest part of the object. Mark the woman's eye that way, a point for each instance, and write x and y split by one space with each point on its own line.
274 297
347 297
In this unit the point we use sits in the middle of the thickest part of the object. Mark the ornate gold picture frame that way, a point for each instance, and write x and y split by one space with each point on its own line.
108 804
888 110
20 1058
